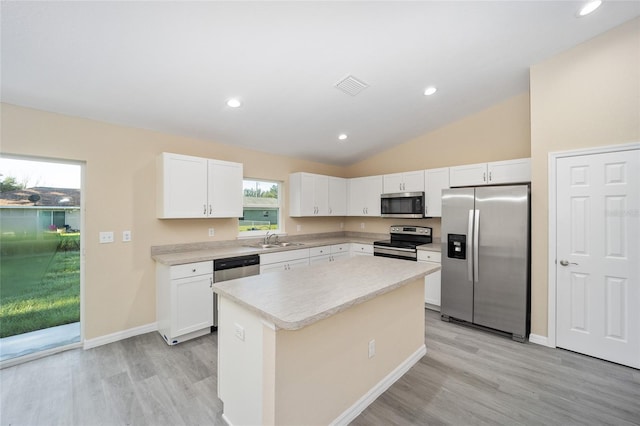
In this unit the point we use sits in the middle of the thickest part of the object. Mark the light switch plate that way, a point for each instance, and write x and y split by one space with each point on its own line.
126 236
106 237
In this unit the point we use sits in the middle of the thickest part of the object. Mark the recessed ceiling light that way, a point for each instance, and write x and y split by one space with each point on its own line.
589 7
430 91
342 136
234 103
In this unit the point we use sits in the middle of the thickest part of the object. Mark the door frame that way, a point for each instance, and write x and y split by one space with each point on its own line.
552 249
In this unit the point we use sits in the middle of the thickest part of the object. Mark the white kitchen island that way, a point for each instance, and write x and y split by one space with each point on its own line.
317 345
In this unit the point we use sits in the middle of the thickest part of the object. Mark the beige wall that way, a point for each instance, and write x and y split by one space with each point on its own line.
501 132
119 290
585 97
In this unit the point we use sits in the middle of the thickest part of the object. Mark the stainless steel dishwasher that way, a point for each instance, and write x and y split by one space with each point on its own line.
231 268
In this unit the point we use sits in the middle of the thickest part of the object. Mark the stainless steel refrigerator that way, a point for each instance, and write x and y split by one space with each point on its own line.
486 257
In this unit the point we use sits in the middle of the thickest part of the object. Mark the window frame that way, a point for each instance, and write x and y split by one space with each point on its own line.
262 233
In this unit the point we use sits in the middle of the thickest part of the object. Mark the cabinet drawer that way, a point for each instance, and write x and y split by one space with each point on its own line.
319 251
429 256
283 256
361 248
191 269
340 248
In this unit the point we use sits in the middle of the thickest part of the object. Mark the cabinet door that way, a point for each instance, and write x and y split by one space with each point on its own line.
325 258
510 171
435 180
392 183
192 304
357 196
413 181
468 175
224 189
373 188
337 196
432 289
321 195
181 186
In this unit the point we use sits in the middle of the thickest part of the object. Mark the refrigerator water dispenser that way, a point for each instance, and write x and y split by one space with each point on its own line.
457 246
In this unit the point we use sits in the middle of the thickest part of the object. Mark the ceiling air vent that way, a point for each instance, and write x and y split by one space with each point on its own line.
351 85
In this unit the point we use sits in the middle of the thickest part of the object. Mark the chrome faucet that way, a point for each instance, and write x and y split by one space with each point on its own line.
267 237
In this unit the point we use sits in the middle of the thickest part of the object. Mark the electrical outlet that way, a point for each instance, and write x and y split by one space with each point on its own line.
361 225
106 237
341 225
299 228
126 236
239 331
372 348
212 232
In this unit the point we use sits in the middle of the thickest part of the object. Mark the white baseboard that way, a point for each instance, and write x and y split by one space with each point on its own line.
120 335
539 340
354 411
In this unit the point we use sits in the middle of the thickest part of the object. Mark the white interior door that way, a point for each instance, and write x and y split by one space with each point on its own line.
598 256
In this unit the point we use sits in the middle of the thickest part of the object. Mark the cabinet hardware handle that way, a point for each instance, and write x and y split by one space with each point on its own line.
204 209
489 176
193 270
210 209
484 177
210 282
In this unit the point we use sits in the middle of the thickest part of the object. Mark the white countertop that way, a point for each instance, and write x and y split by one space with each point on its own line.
300 297
180 257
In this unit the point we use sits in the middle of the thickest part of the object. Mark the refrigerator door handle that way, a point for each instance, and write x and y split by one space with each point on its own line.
476 246
469 236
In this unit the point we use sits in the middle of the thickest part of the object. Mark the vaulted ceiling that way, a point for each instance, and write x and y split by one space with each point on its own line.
172 66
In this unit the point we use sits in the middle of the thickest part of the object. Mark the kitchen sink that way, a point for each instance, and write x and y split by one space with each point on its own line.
287 244
275 245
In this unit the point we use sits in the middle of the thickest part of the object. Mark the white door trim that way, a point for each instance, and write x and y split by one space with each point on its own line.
551 262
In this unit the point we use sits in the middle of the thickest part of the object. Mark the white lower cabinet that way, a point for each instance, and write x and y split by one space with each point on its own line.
184 300
431 281
326 254
283 266
358 249
283 260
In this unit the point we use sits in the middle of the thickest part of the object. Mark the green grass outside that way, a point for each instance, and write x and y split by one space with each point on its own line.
38 290
257 228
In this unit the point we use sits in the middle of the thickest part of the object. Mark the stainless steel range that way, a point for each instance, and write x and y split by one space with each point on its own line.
403 242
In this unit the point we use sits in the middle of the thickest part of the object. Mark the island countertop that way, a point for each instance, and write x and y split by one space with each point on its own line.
297 298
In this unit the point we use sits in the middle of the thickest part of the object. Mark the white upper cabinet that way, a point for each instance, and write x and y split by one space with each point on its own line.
194 187
308 195
225 189
510 171
337 196
404 182
497 172
435 180
468 175
364 196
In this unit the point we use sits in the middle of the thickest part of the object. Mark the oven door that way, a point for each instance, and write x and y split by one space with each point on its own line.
395 252
402 205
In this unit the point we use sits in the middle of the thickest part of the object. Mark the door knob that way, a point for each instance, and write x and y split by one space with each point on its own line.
567 263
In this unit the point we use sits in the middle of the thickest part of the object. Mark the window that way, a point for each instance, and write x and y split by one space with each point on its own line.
261 208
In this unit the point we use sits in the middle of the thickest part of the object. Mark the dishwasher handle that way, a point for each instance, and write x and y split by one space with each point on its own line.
236 262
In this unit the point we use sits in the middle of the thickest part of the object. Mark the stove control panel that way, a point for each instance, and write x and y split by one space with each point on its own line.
410 230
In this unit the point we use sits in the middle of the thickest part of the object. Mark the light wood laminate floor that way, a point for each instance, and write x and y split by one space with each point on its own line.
468 377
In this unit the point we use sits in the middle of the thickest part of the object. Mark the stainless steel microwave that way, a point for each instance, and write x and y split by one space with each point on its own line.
402 204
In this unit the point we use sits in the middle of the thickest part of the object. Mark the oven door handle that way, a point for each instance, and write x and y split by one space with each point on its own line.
394 248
